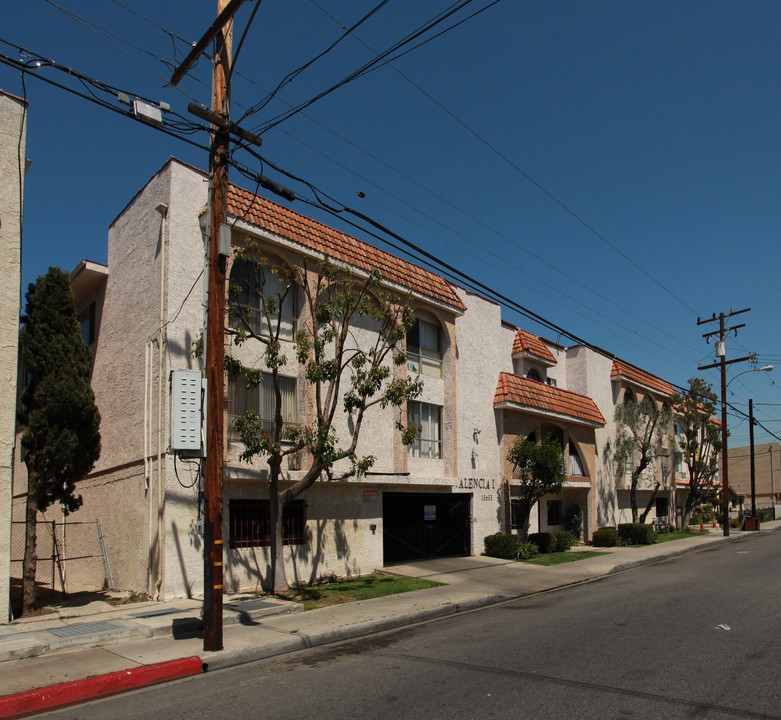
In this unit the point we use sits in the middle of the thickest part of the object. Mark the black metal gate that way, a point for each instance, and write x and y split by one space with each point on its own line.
420 526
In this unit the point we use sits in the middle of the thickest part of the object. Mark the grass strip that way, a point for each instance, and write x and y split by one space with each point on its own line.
558 558
352 589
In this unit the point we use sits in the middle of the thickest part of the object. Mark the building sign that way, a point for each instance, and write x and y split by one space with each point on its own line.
476 484
371 493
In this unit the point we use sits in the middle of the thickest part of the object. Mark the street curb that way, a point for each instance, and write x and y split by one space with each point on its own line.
629 564
53 697
301 641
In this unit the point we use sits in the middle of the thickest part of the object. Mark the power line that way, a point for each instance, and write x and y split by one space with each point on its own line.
537 257
295 73
363 69
524 173
336 211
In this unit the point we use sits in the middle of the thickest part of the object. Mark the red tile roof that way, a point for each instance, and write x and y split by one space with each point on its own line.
526 342
533 394
641 377
335 244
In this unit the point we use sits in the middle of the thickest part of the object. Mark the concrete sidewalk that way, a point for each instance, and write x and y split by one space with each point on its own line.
79 643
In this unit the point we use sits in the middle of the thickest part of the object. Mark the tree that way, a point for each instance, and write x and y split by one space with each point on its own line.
60 422
700 443
541 470
347 347
642 431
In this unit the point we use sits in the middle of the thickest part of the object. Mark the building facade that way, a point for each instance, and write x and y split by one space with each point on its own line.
13 164
485 383
767 477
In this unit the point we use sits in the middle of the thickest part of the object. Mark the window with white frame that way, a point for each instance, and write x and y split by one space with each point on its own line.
262 400
424 348
428 419
257 288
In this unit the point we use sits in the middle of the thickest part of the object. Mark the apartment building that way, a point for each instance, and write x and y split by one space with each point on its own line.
140 315
485 383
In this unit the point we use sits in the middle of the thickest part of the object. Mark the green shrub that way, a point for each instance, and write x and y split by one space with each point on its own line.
561 540
637 533
575 522
502 545
605 537
543 541
527 551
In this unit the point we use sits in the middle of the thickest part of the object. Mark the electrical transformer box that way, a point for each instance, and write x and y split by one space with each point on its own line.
188 410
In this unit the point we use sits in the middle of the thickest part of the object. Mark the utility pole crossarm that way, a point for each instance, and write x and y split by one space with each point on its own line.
726 362
225 15
221 122
726 315
726 330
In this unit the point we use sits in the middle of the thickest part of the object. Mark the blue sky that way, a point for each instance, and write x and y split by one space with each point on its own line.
614 167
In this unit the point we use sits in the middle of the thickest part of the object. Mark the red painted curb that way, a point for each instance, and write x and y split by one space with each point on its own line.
76 691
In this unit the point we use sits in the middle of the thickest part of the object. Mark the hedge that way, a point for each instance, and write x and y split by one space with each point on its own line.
605 537
502 545
637 533
542 540
549 542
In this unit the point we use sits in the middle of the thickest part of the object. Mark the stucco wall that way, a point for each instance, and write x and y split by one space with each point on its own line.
12 167
588 373
483 351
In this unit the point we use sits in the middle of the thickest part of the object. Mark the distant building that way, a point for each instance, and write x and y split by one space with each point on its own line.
13 164
767 476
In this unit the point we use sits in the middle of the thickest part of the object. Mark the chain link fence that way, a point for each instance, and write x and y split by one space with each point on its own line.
72 558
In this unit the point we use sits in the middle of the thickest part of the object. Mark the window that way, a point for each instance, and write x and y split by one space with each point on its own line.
261 399
427 418
551 381
575 464
250 525
554 512
534 375
515 510
424 349
256 285
87 324
679 436
662 507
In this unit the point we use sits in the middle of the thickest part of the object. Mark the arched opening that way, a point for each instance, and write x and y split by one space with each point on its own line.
577 467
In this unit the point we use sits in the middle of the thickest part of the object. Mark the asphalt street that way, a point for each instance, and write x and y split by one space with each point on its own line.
689 637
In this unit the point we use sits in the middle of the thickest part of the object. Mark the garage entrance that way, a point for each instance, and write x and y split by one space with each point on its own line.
420 526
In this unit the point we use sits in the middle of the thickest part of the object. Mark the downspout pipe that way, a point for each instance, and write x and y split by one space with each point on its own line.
162 208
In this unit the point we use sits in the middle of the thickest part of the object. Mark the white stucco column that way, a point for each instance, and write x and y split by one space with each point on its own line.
13 113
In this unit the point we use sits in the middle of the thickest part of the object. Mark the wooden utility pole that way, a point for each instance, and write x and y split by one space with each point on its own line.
752 467
721 333
222 32
215 350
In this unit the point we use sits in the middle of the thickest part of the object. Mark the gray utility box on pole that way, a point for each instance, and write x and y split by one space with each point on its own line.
188 412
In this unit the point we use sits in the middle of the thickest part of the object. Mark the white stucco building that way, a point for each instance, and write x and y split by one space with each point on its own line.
486 383
142 312
13 126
